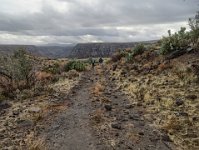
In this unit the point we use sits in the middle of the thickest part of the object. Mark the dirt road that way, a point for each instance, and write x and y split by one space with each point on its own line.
101 118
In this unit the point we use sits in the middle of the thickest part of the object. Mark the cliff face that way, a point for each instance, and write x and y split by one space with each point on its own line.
45 51
86 50
97 49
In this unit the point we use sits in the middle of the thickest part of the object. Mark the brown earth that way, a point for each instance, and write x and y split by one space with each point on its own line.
102 117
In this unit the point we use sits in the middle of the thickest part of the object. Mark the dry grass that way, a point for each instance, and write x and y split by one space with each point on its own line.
158 93
97 117
104 100
34 143
97 89
55 108
37 145
43 76
171 125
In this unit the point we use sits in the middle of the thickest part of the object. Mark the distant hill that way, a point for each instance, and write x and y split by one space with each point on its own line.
45 51
82 50
86 50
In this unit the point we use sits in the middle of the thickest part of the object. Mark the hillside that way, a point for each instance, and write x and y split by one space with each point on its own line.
44 51
85 50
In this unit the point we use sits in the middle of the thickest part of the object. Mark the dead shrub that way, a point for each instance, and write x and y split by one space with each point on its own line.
117 56
97 89
72 74
97 116
172 125
43 77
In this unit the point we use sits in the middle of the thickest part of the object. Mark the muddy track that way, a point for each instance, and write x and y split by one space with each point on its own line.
123 126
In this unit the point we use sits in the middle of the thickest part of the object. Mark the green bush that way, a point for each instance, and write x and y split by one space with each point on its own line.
129 57
54 68
194 25
75 65
16 71
138 49
177 41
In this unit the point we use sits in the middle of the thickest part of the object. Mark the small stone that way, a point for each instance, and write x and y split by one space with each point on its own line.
142 124
24 123
166 138
184 114
141 133
191 135
179 102
108 107
113 79
139 104
191 97
129 106
34 110
116 126
134 117
195 118
4 105
115 96
116 134
15 112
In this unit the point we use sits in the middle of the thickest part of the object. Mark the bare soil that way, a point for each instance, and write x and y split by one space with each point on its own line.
102 120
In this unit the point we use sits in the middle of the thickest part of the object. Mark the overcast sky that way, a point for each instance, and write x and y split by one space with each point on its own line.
74 21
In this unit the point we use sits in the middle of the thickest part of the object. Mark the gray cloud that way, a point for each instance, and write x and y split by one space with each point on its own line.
103 20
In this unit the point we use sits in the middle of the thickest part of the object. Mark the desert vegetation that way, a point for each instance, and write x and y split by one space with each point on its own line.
146 94
163 79
31 87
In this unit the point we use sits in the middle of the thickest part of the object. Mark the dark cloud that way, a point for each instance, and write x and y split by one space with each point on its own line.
104 20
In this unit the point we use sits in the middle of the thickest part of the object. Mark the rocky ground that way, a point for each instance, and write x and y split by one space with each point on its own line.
102 117
21 120
151 103
168 90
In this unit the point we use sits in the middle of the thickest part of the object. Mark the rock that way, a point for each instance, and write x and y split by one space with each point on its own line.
15 112
113 79
4 105
114 67
134 117
24 123
195 118
175 54
11 148
142 124
7 142
189 49
184 114
116 126
191 97
141 133
191 135
166 138
108 107
34 109
129 106
179 102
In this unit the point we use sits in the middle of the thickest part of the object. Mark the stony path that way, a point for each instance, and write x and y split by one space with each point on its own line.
123 126
70 130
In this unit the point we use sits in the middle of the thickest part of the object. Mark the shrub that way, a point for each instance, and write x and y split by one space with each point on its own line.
75 65
53 69
138 49
72 74
118 55
177 41
194 25
129 57
16 71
